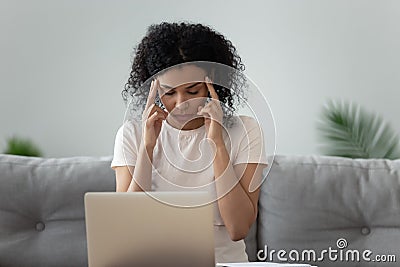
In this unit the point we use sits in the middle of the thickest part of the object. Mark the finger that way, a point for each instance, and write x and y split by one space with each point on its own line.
154 117
208 108
211 111
210 115
150 111
153 108
152 94
216 104
205 111
204 114
151 119
160 110
161 115
211 89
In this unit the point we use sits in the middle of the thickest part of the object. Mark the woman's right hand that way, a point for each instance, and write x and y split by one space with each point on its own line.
152 118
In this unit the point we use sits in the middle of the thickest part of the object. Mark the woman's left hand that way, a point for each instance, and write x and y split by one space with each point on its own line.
213 115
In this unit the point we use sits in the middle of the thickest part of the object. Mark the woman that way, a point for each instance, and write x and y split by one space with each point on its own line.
166 149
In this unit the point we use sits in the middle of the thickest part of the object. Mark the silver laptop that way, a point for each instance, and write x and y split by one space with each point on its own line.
160 229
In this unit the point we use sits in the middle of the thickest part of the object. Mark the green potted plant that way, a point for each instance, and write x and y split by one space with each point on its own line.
348 130
22 146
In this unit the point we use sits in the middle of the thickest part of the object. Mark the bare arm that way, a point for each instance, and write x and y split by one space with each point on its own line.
238 207
142 174
123 176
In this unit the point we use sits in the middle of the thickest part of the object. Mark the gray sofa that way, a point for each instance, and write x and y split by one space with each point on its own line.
307 203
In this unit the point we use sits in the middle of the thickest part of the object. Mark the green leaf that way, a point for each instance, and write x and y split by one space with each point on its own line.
22 146
347 130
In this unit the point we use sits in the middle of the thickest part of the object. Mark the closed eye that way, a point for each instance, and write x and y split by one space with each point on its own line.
173 92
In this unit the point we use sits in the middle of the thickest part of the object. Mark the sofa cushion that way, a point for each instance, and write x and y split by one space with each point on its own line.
310 202
41 208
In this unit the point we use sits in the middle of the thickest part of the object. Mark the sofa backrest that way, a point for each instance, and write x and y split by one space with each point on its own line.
42 218
316 202
306 202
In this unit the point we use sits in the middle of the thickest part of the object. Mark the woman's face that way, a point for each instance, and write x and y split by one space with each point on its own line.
182 90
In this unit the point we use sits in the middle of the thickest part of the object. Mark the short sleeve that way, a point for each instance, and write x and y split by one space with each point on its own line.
126 145
252 145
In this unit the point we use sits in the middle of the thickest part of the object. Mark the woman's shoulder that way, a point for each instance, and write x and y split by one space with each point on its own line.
130 127
242 126
244 122
247 120
132 124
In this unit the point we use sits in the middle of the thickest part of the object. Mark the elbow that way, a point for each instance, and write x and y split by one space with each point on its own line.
238 237
237 233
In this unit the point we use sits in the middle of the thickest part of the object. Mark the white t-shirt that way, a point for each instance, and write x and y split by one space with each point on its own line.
183 160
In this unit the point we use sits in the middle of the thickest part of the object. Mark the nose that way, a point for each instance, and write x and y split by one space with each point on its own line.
181 102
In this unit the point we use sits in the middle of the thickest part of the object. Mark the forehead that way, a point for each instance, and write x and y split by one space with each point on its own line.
179 75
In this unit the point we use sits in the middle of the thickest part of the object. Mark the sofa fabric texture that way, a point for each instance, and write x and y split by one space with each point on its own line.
313 202
306 202
42 216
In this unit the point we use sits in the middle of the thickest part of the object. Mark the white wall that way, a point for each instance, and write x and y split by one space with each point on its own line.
64 63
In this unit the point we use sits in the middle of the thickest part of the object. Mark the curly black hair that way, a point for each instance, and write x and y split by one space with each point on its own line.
168 44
